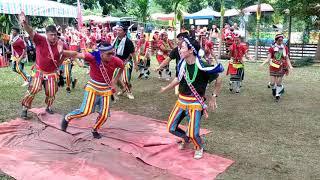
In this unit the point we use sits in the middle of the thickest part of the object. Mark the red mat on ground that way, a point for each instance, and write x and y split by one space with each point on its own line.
142 137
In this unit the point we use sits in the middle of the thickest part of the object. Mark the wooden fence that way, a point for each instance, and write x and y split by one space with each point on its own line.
297 51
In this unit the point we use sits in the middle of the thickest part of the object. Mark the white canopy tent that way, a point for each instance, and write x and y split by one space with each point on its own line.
264 8
231 12
101 19
165 17
207 13
38 8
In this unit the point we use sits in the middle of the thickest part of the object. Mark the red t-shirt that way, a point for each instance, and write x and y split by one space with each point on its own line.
209 45
161 42
43 57
110 66
18 47
146 44
237 52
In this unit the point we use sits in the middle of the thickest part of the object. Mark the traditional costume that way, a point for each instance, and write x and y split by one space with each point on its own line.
193 81
124 48
236 64
165 46
98 90
278 65
143 57
19 57
48 61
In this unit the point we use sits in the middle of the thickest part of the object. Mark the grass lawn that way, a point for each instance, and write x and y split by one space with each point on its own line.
267 140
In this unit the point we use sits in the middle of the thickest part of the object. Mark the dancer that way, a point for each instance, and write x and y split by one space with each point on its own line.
143 53
165 46
19 54
236 64
99 88
174 54
125 50
49 56
279 65
194 76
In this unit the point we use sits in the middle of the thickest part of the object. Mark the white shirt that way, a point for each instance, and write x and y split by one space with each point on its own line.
171 35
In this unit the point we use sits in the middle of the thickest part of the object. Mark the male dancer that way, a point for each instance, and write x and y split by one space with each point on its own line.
49 52
279 65
18 57
194 76
99 88
125 50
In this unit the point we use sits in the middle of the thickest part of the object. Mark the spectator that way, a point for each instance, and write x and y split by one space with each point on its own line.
30 49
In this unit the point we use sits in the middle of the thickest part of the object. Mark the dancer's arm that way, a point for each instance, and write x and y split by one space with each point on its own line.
164 63
217 86
25 25
114 81
266 61
170 86
73 54
216 92
289 63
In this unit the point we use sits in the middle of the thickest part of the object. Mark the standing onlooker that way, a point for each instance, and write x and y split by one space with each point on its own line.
193 32
30 49
214 34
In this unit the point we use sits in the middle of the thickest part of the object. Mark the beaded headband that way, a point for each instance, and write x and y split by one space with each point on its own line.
105 48
278 36
191 46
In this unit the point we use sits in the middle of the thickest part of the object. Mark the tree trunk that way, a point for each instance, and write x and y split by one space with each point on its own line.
221 27
317 57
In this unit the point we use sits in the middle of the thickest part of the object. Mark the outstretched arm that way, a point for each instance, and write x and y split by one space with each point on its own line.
170 86
25 25
164 63
73 54
216 91
267 60
289 63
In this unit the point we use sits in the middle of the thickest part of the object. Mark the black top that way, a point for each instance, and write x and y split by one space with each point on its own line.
200 83
174 54
193 34
128 48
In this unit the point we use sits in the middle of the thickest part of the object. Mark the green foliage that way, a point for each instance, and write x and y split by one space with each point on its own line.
165 5
307 61
196 5
37 21
140 8
106 5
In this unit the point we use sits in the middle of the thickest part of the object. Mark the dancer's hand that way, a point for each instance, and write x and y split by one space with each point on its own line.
157 69
22 18
163 89
213 103
290 69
